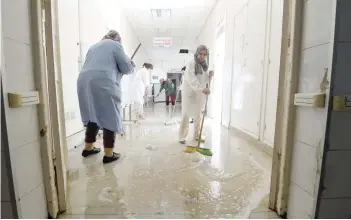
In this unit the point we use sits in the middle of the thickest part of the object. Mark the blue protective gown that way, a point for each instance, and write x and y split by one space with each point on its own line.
99 85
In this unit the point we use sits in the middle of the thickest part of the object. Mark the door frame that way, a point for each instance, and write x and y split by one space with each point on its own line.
56 105
285 116
41 75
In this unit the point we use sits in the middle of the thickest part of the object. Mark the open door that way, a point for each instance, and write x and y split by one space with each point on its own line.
67 35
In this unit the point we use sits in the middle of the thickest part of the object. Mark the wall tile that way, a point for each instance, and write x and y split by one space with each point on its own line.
16 24
342 69
300 204
339 132
335 209
312 68
6 210
310 125
313 32
5 191
19 67
304 166
337 175
23 126
33 205
344 19
28 168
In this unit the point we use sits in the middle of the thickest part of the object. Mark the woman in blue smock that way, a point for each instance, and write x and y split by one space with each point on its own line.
99 93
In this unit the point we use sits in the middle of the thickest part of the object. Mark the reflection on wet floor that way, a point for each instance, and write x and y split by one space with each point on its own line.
155 179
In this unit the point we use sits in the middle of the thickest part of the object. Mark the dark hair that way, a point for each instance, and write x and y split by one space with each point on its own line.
112 35
184 68
148 66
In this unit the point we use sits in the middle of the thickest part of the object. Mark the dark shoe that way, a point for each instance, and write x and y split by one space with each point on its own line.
114 157
182 142
87 153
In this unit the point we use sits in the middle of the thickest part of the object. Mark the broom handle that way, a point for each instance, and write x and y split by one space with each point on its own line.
136 50
203 117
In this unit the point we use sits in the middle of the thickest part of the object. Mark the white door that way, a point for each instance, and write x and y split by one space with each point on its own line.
70 53
218 79
273 71
254 69
238 84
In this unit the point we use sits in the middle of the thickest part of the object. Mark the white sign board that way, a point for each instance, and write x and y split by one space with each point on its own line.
162 41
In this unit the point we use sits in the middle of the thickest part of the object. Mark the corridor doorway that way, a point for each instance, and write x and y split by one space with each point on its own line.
149 133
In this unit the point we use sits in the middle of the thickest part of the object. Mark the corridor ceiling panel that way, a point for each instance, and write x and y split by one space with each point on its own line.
180 19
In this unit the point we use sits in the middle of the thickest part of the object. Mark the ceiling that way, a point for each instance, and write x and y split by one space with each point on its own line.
184 25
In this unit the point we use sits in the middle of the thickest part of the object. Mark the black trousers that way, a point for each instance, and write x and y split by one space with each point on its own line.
92 131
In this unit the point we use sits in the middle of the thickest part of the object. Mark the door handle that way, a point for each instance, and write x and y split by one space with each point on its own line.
341 103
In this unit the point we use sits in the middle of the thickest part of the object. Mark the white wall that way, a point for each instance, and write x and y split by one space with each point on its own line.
208 37
250 72
162 67
316 55
99 16
22 123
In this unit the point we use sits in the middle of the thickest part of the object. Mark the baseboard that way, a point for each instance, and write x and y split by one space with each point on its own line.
259 144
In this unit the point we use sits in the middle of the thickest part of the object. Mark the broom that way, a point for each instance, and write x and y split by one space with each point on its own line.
203 151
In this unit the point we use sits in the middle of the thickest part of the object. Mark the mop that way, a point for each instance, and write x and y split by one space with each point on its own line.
155 96
192 149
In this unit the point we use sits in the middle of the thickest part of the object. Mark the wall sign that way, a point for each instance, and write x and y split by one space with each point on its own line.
162 41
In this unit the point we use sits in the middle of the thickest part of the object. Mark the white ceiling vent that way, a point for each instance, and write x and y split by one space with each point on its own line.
161 13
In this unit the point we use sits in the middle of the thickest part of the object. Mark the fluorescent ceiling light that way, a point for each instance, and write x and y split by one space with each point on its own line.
161 13
170 4
163 30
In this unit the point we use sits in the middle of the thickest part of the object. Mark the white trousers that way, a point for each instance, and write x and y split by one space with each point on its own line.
184 127
140 109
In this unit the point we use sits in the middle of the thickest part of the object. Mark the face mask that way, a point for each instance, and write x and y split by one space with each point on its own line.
204 65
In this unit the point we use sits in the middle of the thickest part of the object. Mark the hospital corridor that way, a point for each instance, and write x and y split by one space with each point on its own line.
187 109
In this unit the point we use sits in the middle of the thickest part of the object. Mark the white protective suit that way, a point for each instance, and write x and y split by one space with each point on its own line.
193 100
140 82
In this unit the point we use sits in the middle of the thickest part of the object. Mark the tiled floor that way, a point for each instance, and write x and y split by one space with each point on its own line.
155 179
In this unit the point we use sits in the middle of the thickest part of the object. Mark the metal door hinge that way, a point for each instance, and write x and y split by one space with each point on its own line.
341 103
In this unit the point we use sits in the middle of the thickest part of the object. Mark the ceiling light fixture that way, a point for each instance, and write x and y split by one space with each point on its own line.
161 13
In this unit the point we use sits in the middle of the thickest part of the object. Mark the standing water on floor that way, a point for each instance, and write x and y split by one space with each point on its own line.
154 178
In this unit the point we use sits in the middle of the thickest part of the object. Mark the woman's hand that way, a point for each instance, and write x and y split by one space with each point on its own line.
133 64
206 91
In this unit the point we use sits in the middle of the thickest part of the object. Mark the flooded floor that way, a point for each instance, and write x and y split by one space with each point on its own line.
155 179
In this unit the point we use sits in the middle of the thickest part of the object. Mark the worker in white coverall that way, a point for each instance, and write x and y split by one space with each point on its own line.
140 85
194 91
180 88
